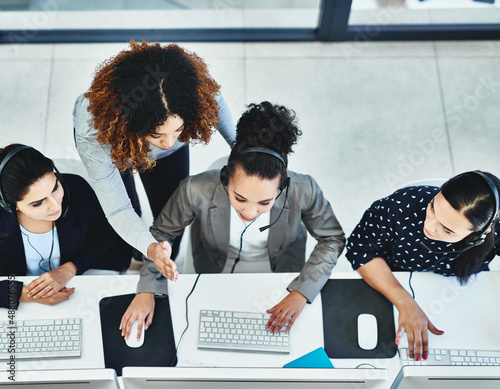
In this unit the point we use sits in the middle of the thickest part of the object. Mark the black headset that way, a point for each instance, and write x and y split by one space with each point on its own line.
478 238
224 177
3 202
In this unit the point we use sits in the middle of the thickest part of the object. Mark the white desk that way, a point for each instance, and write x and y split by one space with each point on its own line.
468 315
83 303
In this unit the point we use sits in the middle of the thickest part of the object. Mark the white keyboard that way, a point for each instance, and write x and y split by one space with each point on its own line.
240 331
48 338
454 357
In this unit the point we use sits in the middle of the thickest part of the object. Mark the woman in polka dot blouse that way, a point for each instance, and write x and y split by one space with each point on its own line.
452 230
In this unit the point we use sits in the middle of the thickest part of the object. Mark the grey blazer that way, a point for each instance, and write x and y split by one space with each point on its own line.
202 201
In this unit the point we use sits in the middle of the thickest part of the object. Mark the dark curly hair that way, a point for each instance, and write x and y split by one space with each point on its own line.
264 125
470 194
137 90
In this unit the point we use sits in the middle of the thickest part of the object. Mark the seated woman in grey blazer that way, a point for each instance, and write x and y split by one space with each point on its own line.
252 217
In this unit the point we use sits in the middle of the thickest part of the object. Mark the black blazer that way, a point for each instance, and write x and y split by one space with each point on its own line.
85 236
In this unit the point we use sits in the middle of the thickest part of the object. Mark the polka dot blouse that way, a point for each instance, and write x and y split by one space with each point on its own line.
392 228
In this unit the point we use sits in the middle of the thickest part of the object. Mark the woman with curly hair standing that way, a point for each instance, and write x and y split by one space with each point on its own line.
143 108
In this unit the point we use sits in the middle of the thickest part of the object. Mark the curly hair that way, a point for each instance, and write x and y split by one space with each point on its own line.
264 125
137 90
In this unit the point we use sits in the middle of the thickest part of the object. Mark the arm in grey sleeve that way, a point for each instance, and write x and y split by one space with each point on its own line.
174 217
150 279
177 214
107 182
226 125
320 221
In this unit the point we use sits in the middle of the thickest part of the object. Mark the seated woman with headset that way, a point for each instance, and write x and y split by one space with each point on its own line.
251 216
452 230
52 227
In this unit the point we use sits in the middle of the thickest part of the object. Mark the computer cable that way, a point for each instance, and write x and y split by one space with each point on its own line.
38 252
411 287
368 364
187 319
241 246
411 274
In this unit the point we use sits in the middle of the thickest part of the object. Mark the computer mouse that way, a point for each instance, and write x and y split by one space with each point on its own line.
367 331
132 338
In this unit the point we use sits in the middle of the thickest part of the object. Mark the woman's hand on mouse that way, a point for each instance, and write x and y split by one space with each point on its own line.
160 253
142 309
287 309
51 282
62 295
415 323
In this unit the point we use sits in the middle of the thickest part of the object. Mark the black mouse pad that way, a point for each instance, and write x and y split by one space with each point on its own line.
159 343
343 301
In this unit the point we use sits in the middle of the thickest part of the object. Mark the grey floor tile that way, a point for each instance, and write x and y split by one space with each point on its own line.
369 126
470 49
99 52
362 47
24 86
17 52
471 90
229 73
211 51
102 51
88 51
70 78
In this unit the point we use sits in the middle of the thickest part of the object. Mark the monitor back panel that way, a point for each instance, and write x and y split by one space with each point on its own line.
448 377
248 378
60 379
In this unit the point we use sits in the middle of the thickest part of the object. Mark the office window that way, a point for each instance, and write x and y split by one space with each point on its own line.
158 14
58 21
424 12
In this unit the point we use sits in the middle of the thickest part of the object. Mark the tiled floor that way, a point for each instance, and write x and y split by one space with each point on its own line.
373 115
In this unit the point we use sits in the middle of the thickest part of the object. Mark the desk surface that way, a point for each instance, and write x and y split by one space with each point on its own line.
468 315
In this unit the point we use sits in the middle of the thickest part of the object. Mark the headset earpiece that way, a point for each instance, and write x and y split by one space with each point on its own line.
6 206
224 176
481 236
66 191
478 239
285 184
4 203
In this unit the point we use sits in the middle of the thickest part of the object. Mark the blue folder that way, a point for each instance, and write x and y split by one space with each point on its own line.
314 359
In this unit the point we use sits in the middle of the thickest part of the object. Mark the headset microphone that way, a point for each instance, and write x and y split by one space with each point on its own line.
451 252
262 229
